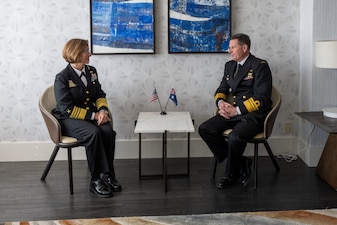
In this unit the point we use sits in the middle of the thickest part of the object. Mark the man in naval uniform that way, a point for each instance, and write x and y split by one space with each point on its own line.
248 79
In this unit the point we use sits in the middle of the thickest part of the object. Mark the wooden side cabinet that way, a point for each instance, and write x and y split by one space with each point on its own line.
327 165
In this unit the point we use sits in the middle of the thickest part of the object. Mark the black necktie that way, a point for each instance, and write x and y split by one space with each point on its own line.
84 79
237 69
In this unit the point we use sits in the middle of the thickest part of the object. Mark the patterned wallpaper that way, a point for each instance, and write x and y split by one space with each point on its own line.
33 33
323 80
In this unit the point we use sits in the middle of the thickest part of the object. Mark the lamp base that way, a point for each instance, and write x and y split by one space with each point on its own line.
330 112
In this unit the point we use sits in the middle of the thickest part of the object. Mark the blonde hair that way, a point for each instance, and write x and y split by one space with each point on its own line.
73 49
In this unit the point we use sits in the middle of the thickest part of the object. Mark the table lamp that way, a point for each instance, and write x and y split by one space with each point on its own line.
326 57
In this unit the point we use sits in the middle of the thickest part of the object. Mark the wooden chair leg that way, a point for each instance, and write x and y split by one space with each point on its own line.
70 168
271 156
50 162
256 154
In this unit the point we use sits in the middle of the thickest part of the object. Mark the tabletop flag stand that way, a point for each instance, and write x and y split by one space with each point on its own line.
172 96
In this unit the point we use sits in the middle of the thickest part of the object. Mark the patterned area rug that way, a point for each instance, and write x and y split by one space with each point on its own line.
295 217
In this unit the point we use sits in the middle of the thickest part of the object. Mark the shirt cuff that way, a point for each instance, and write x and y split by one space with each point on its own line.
238 110
219 102
104 110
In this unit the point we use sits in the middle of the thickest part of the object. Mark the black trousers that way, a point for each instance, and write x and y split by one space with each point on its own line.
232 148
99 142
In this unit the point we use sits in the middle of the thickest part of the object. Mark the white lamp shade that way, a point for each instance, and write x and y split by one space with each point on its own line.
326 54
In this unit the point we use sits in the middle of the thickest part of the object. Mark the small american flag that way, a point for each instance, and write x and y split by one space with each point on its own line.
154 96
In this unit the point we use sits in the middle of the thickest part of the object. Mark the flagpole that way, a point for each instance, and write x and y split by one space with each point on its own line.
161 108
167 103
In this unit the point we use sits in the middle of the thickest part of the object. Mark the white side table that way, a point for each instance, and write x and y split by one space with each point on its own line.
154 122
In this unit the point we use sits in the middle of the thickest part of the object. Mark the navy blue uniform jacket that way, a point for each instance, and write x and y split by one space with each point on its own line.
74 99
251 88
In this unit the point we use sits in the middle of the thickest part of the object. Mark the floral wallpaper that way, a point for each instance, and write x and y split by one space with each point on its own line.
33 33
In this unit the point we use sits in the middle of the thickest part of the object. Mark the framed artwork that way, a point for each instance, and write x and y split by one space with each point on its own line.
122 27
199 26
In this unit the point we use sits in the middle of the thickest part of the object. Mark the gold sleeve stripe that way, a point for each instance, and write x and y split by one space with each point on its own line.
101 102
220 95
252 105
78 113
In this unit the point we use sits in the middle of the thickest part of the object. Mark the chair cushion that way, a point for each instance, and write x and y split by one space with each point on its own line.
226 132
68 140
258 137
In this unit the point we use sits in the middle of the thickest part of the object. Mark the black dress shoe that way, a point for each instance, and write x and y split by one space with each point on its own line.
225 182
111 182
99 188
246 172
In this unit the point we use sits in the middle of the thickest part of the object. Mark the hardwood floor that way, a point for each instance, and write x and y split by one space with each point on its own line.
24 197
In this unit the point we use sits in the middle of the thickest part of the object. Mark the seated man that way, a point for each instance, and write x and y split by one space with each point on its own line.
248 79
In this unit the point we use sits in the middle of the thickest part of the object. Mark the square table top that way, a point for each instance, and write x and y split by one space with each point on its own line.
154 122
318 119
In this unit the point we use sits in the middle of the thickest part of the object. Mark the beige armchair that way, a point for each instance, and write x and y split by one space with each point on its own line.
263 136
47 103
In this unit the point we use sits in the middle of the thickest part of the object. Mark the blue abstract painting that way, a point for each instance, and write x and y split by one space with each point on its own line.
199 26
122 26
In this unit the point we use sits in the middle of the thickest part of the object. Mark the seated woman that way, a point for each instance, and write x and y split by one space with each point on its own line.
83 113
